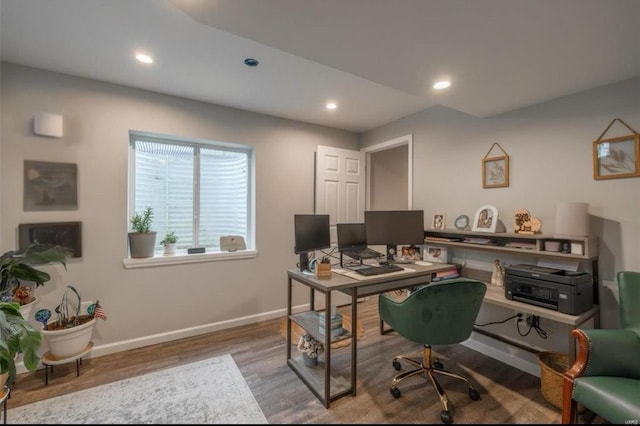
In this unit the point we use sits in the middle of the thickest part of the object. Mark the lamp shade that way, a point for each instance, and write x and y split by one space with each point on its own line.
572 219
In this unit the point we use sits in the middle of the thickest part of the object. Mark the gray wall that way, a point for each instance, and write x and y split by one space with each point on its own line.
550 149
157 303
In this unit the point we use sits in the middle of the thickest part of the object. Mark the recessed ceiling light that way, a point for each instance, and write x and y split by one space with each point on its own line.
439 85
250 62
331 105
144 58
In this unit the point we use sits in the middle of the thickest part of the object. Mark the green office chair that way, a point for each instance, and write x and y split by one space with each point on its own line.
441 313
605 377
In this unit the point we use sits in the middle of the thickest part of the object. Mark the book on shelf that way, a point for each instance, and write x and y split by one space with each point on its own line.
336 321
448 277
334 333
447 273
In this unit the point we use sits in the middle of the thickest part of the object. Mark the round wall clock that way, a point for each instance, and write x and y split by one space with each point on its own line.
462 222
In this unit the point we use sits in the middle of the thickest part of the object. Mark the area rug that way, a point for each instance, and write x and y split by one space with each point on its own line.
297 331
211 391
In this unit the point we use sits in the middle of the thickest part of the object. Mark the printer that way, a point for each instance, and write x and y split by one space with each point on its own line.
568 292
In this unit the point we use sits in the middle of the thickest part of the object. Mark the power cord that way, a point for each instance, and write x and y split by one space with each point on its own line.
500 322
533 321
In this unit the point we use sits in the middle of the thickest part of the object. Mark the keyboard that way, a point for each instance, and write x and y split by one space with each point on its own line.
377 270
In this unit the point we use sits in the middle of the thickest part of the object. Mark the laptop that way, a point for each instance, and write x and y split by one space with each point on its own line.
352 241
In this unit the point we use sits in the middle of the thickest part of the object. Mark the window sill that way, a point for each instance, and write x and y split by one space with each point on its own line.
183 258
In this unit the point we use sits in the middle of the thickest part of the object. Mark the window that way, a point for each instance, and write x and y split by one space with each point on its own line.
201 190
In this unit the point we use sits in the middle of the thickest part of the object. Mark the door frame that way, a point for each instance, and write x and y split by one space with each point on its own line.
382 146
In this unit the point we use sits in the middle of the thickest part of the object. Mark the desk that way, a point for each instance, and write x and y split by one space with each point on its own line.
319 380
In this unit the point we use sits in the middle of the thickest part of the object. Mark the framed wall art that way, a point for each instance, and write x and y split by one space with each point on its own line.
50 186
495 170
64 234
617 157
485 219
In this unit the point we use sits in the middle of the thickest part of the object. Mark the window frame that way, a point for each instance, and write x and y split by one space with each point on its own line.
184 257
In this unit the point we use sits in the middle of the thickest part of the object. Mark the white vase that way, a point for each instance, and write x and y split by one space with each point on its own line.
169 249
67 342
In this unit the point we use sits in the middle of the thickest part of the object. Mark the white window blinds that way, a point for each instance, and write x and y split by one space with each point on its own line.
201 191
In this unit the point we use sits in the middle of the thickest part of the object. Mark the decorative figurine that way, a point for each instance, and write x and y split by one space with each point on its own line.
524 223
497 277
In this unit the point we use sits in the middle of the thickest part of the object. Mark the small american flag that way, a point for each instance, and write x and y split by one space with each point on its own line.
99 312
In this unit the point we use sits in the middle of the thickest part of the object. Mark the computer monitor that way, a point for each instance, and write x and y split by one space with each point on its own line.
351 236
311 232
393 227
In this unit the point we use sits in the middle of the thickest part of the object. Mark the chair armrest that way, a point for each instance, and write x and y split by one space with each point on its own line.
606 352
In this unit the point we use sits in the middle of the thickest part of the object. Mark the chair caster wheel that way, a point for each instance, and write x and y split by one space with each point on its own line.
395 392
473 394
437 364
445 416
396 365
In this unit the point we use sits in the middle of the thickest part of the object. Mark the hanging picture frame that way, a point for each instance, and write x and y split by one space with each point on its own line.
495 170
617 157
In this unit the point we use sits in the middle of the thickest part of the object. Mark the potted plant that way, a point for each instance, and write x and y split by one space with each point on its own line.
169 243
17 336
310 349
18 266
142 240
71 332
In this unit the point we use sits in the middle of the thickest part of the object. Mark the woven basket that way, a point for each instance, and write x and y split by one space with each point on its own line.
552 368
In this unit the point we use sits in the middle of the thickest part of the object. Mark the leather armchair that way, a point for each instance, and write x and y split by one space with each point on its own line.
605 377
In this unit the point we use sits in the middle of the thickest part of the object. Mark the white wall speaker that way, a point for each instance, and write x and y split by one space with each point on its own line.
47 124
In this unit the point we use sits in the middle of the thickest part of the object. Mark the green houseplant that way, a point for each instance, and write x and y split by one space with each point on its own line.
17 266
17 336
142 240
169 242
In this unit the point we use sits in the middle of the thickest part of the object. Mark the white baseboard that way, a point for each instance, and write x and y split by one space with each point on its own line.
154 339
511 355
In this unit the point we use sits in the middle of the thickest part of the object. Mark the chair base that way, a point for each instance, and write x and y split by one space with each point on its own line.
430 369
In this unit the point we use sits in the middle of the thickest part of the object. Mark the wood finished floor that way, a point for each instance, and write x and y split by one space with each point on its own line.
507 395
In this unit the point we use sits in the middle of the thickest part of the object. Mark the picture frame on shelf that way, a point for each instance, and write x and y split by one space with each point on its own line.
435 254
617 157
462 222
485 219
438 221
413 252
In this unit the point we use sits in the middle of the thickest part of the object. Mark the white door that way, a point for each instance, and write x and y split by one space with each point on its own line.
340 186
340 192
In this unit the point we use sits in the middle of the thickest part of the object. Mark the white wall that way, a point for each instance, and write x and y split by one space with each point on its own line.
149 304
550 149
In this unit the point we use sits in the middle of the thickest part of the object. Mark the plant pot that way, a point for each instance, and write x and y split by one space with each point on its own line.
66 342
142 244
308 361
170 249
25 310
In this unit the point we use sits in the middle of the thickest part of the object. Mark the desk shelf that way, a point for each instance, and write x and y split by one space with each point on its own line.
529 245
310 321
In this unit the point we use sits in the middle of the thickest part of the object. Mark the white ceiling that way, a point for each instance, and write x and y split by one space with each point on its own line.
376 58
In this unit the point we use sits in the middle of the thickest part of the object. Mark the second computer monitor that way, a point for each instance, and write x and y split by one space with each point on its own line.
394 227
351 235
